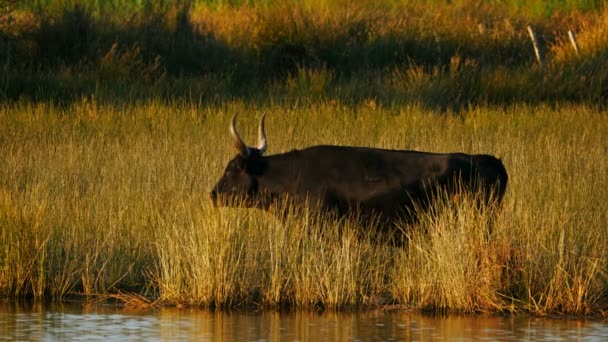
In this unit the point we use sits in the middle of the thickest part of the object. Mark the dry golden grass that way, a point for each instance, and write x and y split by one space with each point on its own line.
107 199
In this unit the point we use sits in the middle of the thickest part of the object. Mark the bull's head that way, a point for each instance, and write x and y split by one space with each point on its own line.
239 181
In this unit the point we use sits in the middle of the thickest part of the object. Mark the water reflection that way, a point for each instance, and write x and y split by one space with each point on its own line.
33 322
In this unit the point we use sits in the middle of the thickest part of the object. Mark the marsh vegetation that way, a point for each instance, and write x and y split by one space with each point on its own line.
115 127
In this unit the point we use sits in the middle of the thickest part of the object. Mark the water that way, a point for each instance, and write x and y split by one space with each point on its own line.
29 322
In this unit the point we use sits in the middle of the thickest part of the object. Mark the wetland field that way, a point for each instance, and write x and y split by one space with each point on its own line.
114 129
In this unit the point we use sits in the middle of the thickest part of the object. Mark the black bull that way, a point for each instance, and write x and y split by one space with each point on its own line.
386 185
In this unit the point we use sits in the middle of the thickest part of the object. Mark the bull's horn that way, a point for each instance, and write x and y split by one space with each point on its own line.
238 141
262 143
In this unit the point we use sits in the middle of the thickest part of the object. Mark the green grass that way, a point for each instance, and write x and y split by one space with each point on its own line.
102 197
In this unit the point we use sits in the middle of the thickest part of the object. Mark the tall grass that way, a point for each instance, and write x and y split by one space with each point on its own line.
104 197
304 261
115 128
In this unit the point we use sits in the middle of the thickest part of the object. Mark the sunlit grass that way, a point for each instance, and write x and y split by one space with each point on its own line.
99 198
114 130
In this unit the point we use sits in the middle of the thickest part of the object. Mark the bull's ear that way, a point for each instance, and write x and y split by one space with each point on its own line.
237 140
262 143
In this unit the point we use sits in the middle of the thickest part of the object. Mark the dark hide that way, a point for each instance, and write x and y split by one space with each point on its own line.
366 182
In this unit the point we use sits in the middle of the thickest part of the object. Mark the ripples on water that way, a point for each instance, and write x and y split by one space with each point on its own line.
110 323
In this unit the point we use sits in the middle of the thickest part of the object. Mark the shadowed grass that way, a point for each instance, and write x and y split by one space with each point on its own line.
444 56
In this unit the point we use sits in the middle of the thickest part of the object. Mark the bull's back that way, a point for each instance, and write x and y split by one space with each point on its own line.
367 175
369 165
380 177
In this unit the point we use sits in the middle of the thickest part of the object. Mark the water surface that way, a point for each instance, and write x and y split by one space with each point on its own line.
30 322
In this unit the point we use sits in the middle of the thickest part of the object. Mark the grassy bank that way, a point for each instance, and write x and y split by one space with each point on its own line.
101 197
